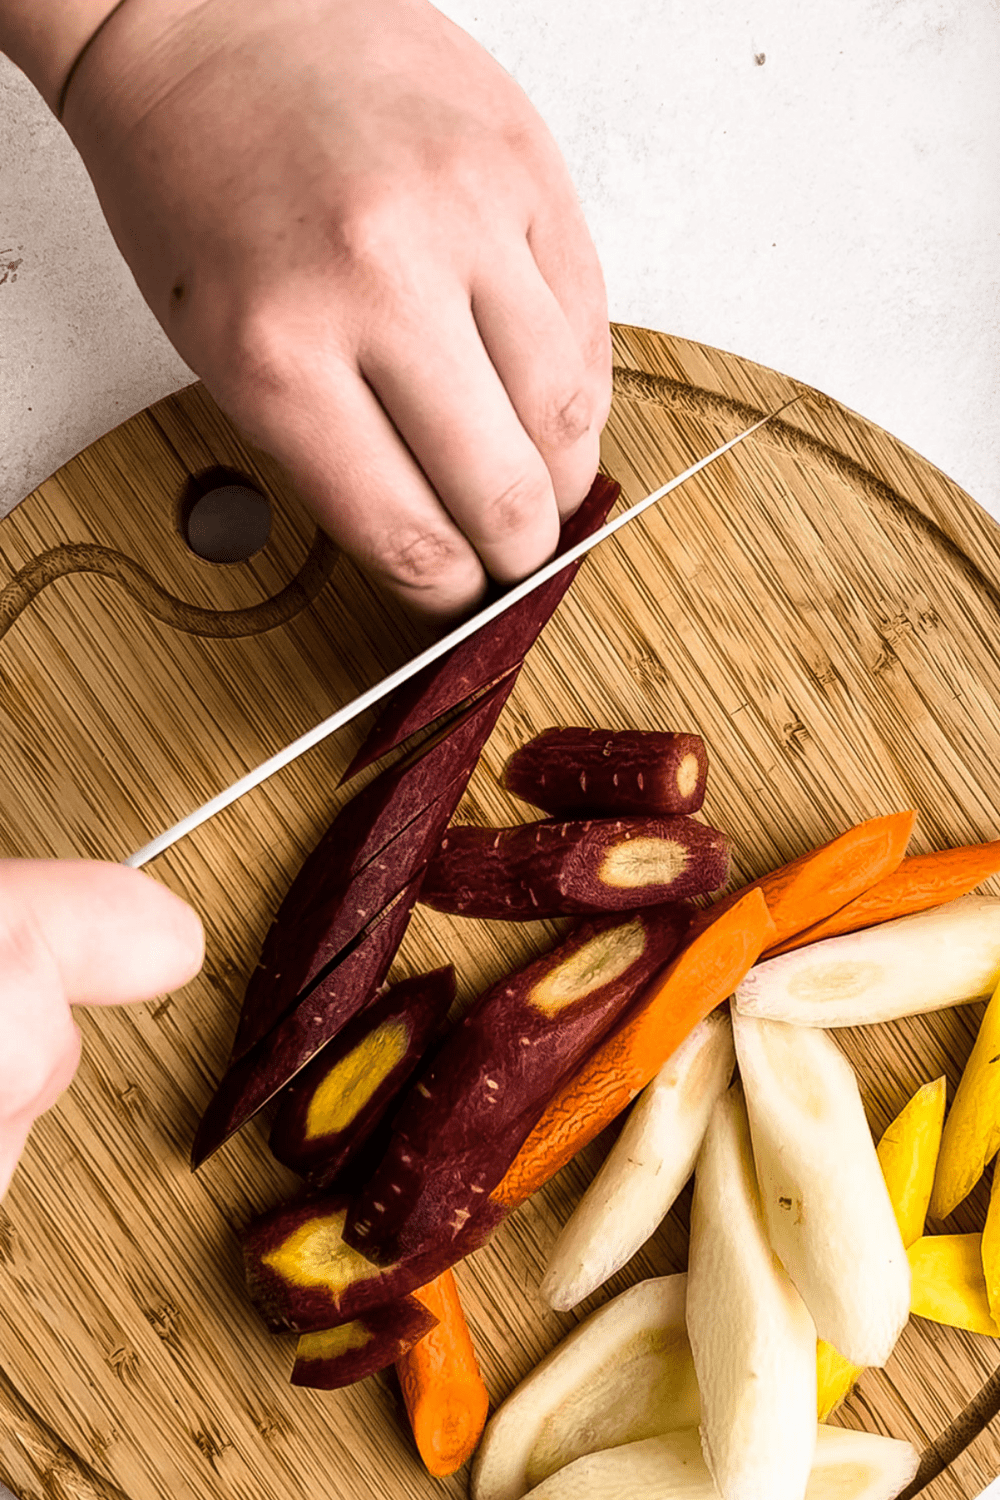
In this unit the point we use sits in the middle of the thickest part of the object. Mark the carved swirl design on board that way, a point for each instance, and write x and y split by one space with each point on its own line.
155 601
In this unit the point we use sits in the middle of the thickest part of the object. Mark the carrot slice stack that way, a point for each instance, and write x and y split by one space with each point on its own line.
445 1397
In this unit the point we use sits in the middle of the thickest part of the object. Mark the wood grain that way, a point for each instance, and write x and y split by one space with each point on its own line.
822 605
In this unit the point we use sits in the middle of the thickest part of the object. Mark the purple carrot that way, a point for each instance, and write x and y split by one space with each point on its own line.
643 772
337 1100
372 849
301 1275
550 869
463 1120
335 1357
350 985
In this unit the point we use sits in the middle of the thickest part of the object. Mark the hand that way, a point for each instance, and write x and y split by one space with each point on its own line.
353 225
75 932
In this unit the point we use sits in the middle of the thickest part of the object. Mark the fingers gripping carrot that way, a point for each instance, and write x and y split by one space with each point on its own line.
444 1393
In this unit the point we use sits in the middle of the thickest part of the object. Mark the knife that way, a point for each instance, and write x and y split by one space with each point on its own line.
440 648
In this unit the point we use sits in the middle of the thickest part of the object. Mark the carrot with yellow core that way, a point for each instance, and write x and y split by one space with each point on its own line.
468 1112
920 882
334 1357
699 979
446 1400
907 1154
971 1135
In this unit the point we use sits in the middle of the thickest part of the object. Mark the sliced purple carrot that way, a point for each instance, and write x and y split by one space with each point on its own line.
337 1100
643 772
349 986
334 1357
486 656
462 1122
301 1276
374 846
551 869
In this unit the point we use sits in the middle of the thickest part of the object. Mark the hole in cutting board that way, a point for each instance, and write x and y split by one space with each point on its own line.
224 517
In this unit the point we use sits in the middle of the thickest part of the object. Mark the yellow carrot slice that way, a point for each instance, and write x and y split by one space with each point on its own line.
836 1377
948 1284
907 1154
991 1249
971 1135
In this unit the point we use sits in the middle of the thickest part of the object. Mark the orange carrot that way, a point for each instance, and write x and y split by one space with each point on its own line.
920 882
444 1393
699 979
809 888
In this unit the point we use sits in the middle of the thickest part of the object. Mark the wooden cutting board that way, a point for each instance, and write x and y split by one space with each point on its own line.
820 605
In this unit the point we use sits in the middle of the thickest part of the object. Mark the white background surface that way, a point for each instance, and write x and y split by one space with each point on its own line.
814 186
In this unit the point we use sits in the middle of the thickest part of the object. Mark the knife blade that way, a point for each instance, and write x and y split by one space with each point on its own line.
395 679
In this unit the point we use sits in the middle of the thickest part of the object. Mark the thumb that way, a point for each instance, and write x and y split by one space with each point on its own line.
114 933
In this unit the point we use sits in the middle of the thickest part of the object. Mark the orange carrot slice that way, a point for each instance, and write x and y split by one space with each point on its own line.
699 979
920 882
445 1397
808 889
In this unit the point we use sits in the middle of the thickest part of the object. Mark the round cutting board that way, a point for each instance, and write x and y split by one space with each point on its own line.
820 605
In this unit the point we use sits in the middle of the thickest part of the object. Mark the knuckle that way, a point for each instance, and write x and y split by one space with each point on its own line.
423 559
565 420
370 232
261 362
517 507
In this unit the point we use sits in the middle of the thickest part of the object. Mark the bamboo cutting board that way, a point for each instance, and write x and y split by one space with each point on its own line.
821 605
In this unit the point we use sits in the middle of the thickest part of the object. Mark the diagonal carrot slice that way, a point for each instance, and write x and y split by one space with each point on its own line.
809 888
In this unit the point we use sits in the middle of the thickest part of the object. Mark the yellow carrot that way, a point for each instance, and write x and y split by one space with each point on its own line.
991 1249
948 1283
907 1154
971 1136
836 1377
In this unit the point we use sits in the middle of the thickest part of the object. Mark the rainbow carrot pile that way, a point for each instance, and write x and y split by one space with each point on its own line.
418 1171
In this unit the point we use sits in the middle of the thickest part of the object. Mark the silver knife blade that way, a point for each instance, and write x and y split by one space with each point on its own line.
433 653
